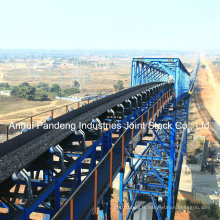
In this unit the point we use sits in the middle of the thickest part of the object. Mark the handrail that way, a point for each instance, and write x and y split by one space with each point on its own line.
51 111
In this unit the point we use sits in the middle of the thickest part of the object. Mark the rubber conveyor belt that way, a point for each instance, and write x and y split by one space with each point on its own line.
18 152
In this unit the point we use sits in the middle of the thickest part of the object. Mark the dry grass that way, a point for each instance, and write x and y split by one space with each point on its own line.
14 108
102 74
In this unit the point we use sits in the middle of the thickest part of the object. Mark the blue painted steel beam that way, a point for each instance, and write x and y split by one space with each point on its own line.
150 157
169 67
156 208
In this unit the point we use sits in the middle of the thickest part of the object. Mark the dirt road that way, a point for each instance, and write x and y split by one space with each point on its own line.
210 89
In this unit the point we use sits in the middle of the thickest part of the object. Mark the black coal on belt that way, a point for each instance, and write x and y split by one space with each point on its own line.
18 152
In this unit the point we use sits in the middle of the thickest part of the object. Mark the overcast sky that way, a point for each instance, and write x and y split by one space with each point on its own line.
110 24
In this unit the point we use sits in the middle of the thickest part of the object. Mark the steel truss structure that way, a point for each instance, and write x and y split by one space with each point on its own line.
154 174
146 70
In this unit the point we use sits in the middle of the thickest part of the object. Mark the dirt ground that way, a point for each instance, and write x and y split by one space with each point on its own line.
210 87
93 73
14 109
194 184
183 215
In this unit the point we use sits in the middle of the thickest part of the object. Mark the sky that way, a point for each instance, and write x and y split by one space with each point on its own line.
110 24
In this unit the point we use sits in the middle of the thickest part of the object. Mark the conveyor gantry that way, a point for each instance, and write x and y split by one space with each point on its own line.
67 174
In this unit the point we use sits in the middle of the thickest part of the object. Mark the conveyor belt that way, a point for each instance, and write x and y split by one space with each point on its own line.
143 209
18 152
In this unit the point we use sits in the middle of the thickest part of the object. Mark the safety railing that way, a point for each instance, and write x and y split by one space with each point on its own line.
14 128
94 183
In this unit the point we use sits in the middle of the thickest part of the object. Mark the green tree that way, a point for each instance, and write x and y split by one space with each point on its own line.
24 84
24 90
5 85
41 95
74 89
119 85
76 84
14 91
27 92
43 86
70 91
55 88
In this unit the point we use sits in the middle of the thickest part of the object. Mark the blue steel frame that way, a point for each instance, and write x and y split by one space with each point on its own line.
156 171
161 161
144 70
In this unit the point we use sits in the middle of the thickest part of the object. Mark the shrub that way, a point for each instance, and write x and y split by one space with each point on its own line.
44 86
55 88
41 95
5 85
70 91
119 85
198 151
26 91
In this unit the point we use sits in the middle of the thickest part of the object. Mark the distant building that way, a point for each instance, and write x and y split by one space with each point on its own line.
77 97
84 96
68 98
5 92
